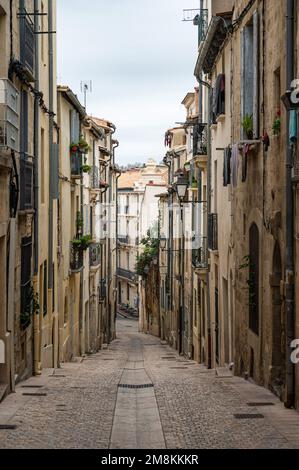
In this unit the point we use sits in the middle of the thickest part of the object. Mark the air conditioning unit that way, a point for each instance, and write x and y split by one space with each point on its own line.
9 115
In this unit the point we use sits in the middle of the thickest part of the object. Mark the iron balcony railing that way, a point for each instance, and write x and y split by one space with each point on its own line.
76 164
76 258
200 18
213 232
127 274
26 182
27 43
123 239
95 255
200 255
200 141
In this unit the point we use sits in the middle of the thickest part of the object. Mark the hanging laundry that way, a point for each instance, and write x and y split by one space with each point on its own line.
235 165
245 152
227 167
293 126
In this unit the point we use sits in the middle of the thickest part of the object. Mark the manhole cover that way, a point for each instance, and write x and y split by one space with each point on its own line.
260 404
34 394
32 386
135 386
249 416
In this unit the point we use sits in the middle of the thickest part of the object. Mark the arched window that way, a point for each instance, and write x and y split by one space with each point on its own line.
254 272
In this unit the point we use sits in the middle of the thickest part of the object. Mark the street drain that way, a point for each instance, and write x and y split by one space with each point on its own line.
34 394
179 368
7 427
32 386
57 376
169 358
135 386
260 404
249 416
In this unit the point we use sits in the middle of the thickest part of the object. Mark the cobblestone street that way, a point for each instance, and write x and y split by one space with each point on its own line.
140 394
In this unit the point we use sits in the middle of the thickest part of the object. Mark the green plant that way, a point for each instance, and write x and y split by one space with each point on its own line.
32 307
74 147
247 125
83 145
86 168
151 250
83 242
194 183
277 124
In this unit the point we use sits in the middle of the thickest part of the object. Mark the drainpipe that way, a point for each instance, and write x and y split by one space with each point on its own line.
289 286
51 147
36 330
116 145
208 86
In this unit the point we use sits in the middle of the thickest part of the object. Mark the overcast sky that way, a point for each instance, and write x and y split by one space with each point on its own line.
140 57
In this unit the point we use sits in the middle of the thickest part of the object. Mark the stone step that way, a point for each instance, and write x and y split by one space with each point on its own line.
3 390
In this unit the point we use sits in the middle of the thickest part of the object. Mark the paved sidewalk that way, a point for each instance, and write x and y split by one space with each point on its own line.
96 404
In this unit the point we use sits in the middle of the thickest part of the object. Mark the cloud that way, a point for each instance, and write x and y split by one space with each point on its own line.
140 57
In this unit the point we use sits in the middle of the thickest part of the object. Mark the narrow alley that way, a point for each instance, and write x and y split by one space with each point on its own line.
140 394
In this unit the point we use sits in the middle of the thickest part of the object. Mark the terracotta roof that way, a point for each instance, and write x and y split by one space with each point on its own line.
128 178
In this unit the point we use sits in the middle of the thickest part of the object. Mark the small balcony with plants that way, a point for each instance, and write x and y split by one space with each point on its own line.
79 150
200 145
200 255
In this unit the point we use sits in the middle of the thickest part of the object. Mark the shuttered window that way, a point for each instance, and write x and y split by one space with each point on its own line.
250 73
254 273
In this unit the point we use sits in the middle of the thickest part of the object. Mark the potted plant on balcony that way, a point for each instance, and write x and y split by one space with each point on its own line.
83 145
74 147
86 168
247 125
83 242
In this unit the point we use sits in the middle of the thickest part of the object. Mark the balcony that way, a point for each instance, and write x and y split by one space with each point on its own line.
123 239
26 182
200 141
76 258
27 45
9 115
213 232
128 275
200 256
95 255
200 18
76 164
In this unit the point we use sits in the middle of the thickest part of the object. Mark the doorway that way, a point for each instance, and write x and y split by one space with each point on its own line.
278 356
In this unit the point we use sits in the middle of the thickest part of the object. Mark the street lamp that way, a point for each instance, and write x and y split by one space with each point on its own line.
181 186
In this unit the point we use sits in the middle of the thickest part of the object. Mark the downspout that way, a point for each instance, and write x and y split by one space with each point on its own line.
116 145
169 293
51 139
36 330
208 86
289 281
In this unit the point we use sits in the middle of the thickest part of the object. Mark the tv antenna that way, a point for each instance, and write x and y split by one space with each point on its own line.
86 87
